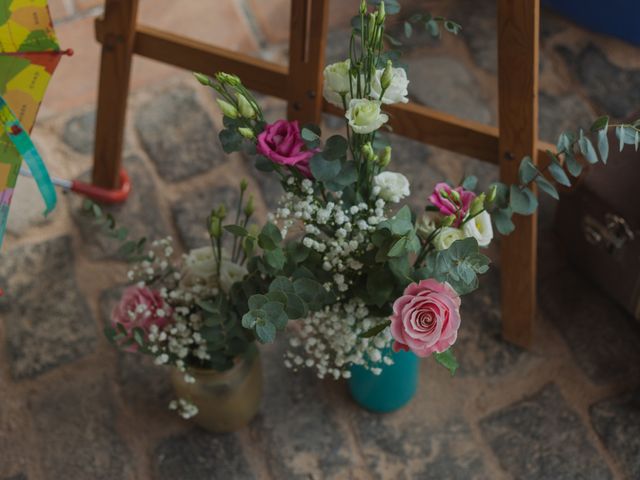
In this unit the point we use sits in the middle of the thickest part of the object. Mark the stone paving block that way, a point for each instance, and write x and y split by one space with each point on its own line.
541 437
479 22
74 423
480 349
19 476
145 387
296 424
199 455
444 83
27 207
79 132
602 337
412 449
617 422
615 89
563 112
47 320
190 212
140 214
178 135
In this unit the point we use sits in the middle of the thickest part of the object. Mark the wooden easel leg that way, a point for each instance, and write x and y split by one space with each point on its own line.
118 28
518 40
308 35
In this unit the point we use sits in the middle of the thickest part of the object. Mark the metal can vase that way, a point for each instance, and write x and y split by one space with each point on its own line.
227 400
392 389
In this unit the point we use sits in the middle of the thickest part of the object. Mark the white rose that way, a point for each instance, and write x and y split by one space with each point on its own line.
396 92
393 186
479 227
365 116
230 273
446 237
336 83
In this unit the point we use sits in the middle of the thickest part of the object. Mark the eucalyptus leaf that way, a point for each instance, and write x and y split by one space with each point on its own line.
547 187
266 331
586 148
559 175
522 200
503 222
527 171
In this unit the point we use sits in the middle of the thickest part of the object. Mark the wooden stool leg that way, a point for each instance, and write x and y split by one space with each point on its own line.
518 37
118 30
308 35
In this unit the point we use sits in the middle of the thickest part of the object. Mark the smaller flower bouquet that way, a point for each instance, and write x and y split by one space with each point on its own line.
373 277
186 312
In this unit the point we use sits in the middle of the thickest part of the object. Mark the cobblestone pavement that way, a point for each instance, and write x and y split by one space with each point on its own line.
73 408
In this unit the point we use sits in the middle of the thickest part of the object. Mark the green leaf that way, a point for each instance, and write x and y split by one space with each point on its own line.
295 307
269 237
574 167
207 306
452 27
502 220
275 314
264 164
248 320
601 123
266 331
276 296
448 360
335 148
408 29
275 258
379 286
398 248
257 301
322 169
297 252
236 230
527 171
231 140
557 172
281 284
433 28
586 148
547 187
372 332
138 336
522 201
470 182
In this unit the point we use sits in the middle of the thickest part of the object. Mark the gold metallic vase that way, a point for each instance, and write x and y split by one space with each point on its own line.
226 401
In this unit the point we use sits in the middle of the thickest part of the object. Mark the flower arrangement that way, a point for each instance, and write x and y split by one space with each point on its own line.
185 312
361 273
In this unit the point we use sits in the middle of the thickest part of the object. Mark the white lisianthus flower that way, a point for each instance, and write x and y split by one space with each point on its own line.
445 238
479 227
336 83
425 226
200 267
364 115
230 273
396 92
393 186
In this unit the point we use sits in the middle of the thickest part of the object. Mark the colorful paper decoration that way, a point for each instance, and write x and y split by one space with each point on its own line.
29 54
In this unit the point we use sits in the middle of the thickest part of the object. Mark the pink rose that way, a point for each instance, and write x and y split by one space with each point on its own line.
451 204
426 318
140 307
282 143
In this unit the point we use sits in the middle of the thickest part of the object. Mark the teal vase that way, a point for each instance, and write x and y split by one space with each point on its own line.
392 389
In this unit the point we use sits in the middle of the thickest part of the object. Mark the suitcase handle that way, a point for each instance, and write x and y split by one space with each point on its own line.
612 235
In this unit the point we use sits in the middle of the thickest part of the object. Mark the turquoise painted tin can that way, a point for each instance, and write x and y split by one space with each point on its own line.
392 389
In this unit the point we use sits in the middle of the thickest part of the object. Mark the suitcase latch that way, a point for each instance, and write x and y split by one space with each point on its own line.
613 234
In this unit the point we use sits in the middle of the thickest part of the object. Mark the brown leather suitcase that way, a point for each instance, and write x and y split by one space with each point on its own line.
599 224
